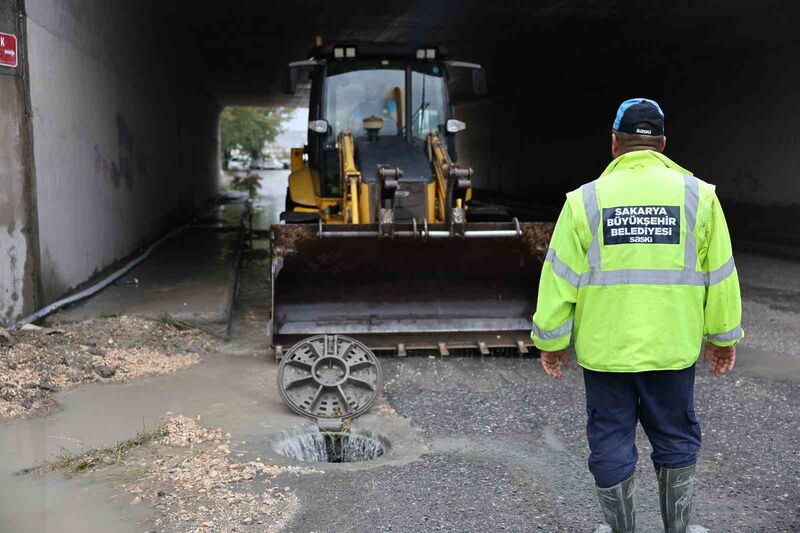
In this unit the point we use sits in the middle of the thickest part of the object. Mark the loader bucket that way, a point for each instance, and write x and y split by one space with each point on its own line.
421 289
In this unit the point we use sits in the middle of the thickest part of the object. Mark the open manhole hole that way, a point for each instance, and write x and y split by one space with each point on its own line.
312 445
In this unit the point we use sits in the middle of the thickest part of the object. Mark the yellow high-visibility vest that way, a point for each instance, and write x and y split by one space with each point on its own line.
639 270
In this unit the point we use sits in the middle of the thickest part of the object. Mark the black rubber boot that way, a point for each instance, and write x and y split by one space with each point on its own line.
618 507
676 492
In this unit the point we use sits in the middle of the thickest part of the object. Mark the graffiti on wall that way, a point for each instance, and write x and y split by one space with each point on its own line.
121 168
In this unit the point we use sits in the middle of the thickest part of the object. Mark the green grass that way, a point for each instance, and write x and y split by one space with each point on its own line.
76 462
167 321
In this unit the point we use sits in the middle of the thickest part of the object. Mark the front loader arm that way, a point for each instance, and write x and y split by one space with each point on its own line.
351 178
453 185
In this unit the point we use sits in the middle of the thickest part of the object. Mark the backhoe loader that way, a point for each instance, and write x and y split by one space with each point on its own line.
381 239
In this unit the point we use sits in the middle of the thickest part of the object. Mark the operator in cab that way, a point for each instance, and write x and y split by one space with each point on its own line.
376 103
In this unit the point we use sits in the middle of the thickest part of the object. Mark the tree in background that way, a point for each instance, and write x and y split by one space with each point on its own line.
248 128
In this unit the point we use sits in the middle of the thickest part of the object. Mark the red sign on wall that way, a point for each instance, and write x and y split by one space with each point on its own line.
8 50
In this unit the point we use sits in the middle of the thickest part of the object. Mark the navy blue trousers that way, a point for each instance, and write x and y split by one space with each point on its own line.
663 401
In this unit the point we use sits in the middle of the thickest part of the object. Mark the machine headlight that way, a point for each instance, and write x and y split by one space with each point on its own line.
426 53
454 126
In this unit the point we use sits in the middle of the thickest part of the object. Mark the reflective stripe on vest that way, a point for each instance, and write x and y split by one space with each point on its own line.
732 335
561 269
686 276
552 334
691 198
638 276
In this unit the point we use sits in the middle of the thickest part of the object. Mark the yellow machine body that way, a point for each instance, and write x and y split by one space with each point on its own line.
354 202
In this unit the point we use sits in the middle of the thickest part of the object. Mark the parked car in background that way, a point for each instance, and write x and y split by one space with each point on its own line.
273 164
238 163
266 163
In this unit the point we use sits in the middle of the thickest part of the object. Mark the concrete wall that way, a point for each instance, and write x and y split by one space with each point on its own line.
17 218
121 151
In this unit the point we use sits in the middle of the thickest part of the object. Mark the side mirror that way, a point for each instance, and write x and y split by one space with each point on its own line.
479 81
478 75
290 82
454 126
318 126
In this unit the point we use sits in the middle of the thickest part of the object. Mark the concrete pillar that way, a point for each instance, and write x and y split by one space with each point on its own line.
18 229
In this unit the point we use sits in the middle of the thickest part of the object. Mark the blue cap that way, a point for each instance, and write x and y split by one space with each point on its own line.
640 116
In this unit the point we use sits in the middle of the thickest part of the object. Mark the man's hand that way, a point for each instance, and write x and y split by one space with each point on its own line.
550 363
722 358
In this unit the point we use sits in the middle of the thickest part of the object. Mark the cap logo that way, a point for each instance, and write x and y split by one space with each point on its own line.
639 112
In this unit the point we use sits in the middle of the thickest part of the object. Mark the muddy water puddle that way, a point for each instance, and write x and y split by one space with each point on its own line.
223 391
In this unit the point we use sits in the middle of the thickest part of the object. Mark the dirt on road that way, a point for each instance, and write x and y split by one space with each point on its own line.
196 482
36 362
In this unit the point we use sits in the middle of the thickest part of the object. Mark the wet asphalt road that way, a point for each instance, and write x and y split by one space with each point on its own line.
508 449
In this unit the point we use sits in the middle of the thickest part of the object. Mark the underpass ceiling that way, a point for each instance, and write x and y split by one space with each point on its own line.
243 46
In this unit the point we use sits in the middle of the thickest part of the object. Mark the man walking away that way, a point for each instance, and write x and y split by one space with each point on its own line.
640 270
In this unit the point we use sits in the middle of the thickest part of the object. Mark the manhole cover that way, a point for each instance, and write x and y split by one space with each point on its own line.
329 376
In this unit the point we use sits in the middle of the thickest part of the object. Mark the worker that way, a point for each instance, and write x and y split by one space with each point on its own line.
640 270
